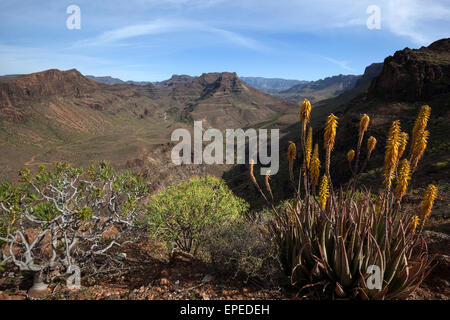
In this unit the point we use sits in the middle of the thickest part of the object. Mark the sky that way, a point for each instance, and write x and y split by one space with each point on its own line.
149 40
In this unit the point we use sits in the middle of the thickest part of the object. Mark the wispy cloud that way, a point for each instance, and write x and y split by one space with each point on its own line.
340 63
165 26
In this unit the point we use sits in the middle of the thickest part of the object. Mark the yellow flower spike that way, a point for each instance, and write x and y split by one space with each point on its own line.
420 124
329 137
392 148
403 142
350 155
404 175
309 147
330 131
314 169
427 202
419 148
305 112
324 192
292 151
291 155
371 143
415 220
363 124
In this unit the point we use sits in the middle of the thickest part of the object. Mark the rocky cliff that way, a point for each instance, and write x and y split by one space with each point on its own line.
412 75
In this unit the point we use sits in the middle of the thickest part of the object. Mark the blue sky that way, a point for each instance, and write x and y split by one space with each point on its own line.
153 39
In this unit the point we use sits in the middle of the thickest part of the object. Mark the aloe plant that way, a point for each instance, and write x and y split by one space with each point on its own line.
341 242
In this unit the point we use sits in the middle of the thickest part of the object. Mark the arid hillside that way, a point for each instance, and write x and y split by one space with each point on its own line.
63 115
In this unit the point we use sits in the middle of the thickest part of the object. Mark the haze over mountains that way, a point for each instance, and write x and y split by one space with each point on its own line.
293 91
63 115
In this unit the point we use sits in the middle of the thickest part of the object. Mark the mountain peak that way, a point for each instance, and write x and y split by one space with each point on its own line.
46 83
440 45
415 74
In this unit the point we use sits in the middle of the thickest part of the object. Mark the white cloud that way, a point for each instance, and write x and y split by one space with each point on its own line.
414 19
164 26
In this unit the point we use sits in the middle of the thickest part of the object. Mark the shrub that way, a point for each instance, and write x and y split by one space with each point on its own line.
182 214
242 249
56 218
330 242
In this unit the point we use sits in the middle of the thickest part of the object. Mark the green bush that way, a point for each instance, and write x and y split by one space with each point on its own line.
9 199
182 214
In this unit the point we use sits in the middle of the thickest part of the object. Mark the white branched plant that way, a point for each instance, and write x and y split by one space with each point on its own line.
66 217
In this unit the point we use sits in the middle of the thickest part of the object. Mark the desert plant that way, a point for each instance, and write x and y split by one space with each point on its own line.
181 214
56 218
241 249
331 243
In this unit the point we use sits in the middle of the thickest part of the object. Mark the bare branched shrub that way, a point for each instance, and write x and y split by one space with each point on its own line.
64 216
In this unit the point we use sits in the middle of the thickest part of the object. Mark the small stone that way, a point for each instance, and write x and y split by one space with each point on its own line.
205 296
207 278
122 256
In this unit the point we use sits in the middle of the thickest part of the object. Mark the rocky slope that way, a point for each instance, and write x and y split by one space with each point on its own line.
62 115
412 75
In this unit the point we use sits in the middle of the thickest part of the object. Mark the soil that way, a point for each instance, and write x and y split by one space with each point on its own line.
149 276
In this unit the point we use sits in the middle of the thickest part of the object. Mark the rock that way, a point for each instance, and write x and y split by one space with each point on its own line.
38 291
207 278
122 256
413 75
205 296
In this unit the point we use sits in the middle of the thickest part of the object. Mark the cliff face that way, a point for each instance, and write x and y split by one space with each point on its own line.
411 75
370 72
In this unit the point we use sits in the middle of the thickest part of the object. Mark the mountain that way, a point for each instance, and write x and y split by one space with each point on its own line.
174 81
106 80
420 73
63 115
271 85
408 80
320 89
370 72
112 81
415 74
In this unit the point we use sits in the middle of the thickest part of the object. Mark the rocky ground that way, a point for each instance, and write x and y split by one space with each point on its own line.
149 276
